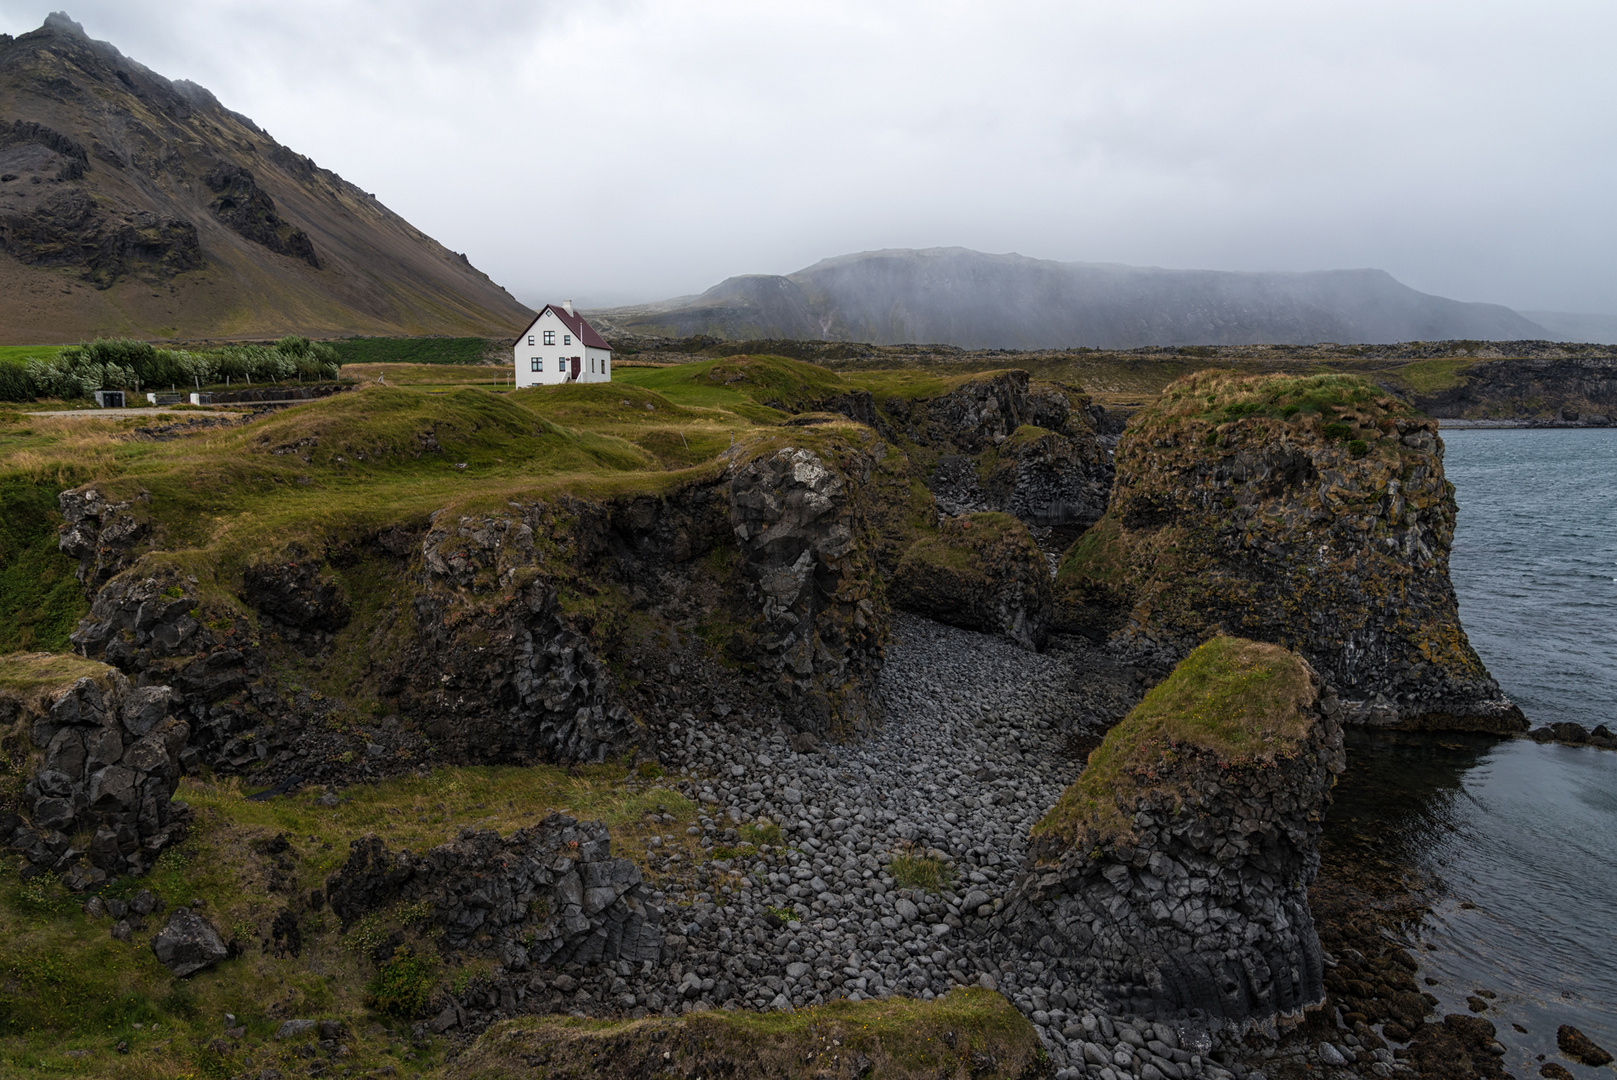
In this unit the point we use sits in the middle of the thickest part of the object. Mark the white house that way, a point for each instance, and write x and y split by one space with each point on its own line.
560 347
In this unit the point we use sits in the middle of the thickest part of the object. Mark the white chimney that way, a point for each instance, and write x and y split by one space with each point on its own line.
568 306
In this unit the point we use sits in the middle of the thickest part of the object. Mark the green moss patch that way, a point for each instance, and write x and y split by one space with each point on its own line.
1241 701
967 1033
1222 397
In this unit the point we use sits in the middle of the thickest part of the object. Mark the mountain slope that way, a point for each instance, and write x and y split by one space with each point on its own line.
974 300
133 205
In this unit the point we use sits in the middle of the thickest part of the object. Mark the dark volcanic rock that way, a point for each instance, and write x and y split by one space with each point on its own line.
61 223
1579 1047
808 568
550 894
1308 512
1190 898
108 771
188 943
981 572
247 208
1042 461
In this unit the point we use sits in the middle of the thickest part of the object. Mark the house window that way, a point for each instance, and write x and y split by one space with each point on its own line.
550 338
535 364
567 339
561 365
530 341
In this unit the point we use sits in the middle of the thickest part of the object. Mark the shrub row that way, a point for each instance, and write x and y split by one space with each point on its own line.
120 364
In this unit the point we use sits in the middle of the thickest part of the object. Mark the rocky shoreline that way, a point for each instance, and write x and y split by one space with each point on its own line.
977 740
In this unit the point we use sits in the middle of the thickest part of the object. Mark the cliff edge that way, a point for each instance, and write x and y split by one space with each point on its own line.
1311 512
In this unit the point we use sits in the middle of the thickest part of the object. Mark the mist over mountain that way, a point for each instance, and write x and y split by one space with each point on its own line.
135 205
955 296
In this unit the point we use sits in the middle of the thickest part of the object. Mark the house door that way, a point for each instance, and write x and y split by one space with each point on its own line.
576 363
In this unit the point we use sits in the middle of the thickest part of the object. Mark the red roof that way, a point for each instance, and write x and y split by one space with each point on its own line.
582 330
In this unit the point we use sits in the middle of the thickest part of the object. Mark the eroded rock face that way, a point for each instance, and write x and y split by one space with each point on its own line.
551 894
508 677
1333 543
808 571
1202 909
248 209
110 767
981 572
103 534
1046 464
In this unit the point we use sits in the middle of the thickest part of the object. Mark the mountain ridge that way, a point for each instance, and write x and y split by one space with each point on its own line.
136 205
975 300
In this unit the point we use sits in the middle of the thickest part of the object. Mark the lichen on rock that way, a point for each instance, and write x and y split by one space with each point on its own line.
1173 873
1307 511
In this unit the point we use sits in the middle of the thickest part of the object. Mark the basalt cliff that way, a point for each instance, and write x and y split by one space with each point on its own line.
1309 512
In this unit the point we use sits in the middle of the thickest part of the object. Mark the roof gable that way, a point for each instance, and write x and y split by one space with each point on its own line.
580 327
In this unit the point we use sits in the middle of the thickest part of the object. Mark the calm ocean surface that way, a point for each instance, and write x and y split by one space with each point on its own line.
1535 565
1516 842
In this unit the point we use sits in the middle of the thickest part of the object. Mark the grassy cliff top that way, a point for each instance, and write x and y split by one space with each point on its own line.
900 1037
1219 397
31 679
1241 701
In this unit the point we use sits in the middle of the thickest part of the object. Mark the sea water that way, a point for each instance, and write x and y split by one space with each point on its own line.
1514 844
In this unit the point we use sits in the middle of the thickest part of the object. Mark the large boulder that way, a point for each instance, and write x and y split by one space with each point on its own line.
1309 512
980 572
188 943
1172 875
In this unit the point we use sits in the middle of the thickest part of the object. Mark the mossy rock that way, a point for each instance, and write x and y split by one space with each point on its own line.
980 572
972 1033
1243 702
1307 511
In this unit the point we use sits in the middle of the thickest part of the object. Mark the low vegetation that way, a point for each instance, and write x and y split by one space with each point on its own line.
915 869
419 350
1244 702
77 371
968 1033
67 985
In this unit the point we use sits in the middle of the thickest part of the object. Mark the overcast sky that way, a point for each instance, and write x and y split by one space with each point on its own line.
624 151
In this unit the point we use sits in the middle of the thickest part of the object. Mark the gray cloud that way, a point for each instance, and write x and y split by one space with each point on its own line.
634 150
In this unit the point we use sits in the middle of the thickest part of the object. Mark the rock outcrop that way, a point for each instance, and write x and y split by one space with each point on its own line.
551 894
1309 512
107 762
1002 443
1173 874
980 572
808 569
498 641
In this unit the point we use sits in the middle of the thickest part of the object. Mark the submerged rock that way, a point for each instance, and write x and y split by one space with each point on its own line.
1173 874
1309 512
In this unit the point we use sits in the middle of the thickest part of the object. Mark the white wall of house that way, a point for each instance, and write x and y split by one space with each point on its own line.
549 345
